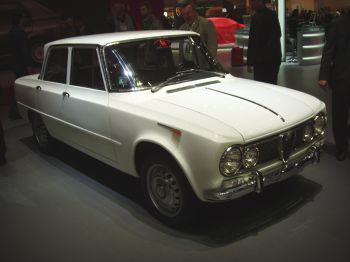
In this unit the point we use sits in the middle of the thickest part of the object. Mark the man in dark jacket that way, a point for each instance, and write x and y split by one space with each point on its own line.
150 21
335 73
20 56
264 47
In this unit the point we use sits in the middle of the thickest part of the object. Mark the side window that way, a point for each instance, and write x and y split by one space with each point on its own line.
85 69
56 67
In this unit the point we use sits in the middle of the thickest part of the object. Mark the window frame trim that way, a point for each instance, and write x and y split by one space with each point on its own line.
69 60
44 67
97 50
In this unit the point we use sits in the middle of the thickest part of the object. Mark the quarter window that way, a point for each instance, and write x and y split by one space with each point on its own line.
56 68
119 76
85 70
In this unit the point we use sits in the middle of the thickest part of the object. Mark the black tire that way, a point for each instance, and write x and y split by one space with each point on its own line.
169 196
41 134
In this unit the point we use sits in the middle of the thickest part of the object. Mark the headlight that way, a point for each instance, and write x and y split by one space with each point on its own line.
231 161
320 123
308 133
250 156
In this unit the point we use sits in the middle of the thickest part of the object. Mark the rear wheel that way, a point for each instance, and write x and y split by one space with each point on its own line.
168 194
41 134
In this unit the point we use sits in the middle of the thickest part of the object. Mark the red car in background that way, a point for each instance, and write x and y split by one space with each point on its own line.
225 28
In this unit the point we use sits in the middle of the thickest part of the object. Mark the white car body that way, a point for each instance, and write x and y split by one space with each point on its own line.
194 121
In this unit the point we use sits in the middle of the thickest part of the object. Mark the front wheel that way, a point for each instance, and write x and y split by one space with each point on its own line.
41 134
168 194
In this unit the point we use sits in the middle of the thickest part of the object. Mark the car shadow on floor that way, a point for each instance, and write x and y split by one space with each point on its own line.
217 224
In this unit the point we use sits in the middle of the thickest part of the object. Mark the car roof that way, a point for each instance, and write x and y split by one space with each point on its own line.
108 38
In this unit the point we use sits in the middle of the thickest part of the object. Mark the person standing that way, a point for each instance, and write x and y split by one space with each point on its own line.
150 22
335 73
122 21
264 46
198 24
21 63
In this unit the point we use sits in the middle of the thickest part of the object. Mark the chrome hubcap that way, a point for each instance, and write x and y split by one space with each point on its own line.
164 190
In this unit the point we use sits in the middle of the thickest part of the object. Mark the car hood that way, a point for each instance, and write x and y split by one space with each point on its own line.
251 108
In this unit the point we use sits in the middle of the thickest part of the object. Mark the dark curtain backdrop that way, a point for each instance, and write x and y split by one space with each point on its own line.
92 12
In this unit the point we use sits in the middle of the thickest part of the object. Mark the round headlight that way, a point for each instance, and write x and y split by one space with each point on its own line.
308 133
231 161
250 156
320 124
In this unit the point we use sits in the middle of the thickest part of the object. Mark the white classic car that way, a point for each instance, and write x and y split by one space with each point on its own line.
157 106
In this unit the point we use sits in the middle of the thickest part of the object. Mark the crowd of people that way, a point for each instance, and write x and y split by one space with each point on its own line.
189 20
296 19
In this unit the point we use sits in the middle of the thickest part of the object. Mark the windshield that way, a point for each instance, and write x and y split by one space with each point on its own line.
143 64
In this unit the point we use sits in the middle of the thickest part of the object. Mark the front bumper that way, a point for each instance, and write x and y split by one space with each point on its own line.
256 180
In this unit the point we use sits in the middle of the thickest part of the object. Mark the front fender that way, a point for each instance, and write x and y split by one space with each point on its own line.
198 157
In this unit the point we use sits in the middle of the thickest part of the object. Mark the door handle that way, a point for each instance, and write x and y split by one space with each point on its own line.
38 87
65 94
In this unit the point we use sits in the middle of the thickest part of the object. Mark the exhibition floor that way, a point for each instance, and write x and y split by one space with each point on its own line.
70 207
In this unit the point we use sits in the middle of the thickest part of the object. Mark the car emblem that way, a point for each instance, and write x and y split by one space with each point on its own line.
287 141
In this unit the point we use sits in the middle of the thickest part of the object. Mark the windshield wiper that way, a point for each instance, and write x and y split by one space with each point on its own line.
216 73
185 73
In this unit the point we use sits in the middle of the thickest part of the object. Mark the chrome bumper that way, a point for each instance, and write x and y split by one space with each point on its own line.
256 180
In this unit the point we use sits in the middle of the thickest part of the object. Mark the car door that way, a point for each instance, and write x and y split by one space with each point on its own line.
85 104
49 93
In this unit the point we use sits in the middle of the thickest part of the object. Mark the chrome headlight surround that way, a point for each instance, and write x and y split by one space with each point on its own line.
250 156
231 161
308 133
320 124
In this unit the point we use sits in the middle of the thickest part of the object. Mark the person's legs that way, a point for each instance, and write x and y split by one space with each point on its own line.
274 73
2 146
13 113
340 114
267 73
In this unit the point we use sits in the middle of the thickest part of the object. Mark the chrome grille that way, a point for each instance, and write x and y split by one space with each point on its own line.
270 149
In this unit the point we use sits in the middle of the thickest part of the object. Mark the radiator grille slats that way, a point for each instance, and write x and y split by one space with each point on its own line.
270 149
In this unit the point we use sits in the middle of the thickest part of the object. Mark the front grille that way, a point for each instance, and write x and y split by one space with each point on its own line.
270 149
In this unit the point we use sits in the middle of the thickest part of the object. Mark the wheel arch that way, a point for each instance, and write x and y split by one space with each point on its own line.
146 148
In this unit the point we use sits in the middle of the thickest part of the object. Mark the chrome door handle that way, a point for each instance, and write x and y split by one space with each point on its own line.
66 94
38 87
